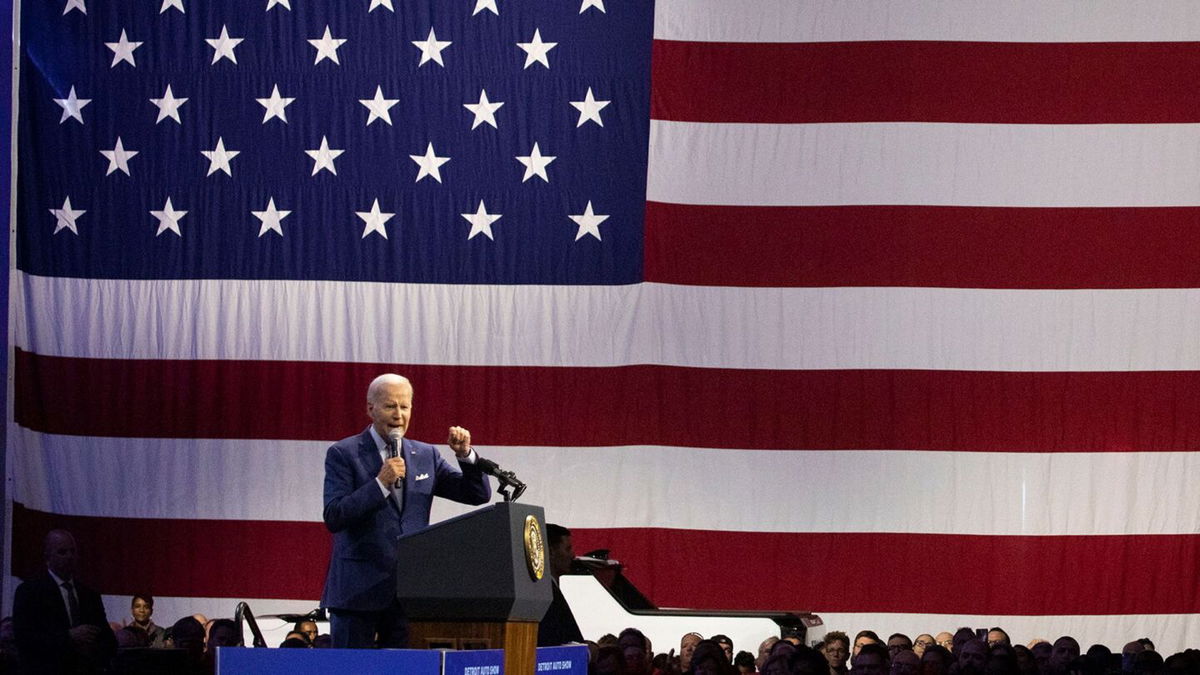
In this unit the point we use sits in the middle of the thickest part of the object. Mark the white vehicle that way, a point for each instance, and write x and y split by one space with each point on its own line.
603 601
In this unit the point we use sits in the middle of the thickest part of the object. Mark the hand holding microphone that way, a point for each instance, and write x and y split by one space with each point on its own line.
393 470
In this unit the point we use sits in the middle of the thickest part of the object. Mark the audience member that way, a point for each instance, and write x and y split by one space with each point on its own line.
59 623
744 662
972 656
764 650
1041 655
188 634
131 637
936 660
1025 661
923 640
635 649
308 627
1064 650
687 645
1147 662
558 626
708 658
141 613
906 662
609 661
872 659
897 643
961 636
325 641
945 640
864 637
1002 660
997 636
726 644
294 641
837 651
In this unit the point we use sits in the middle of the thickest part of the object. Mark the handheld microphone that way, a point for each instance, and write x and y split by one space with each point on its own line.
394 438
508 480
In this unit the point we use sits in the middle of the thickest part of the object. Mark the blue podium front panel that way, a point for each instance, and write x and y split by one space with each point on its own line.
572 660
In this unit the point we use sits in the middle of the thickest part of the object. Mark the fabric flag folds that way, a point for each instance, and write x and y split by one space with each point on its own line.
885 311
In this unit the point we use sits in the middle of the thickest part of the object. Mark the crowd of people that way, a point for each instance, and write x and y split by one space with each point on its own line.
964 652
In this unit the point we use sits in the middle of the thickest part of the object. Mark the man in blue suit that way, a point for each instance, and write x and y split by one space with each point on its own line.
374 493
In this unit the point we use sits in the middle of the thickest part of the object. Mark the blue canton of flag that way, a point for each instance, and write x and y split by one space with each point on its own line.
447 141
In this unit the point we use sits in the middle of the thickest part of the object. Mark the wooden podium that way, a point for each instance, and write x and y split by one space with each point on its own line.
478 581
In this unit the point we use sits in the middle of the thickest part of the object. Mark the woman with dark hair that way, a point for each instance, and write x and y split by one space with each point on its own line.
142 610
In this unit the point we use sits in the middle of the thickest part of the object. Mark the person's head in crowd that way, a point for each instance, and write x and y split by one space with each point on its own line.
61 554
1099 652
777 660
308 627
864 637
921 642
897 643
635 649
323 641
188 634
560 549
1041 654
141 609
971 656
807 661
1002 660
1147 662
1147 643
1186 662
936 660
709 659
294 640
871 659
837 649
687 645
793 637
906 662
130 637
961 636
997 636
225 633
1064 650
1128 652
945 640
607 639
725 643
609 661
1025 661
764 650
744 662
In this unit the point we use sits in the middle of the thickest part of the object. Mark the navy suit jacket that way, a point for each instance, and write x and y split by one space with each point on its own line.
41 624
366 525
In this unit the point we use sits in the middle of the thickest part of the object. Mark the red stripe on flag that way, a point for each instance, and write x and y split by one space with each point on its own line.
660 405
890 572
834 572
911 81
947 246
175 557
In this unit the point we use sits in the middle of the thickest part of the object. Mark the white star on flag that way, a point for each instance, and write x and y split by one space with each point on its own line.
168 219
223 46
271 218
431 48
381 3
168 4
72 106
481 222
275 105
218 158
66 216
429 164
168 106
481 5
589 109
598 4
485 110
75 4
286 4
536 50
327 47
588 222
379 106
374 220
535 164
122 50
118 158
323 157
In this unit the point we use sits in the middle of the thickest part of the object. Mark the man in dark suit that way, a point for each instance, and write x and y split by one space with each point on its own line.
374 493
558 626
60 624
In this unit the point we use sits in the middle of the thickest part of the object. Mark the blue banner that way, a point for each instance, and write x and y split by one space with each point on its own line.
572 660
235 660
474 662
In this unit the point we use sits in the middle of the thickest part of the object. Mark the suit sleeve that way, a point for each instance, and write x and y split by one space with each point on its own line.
346 503
466 484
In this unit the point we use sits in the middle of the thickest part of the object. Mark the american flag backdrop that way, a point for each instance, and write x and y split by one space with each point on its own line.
882 310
